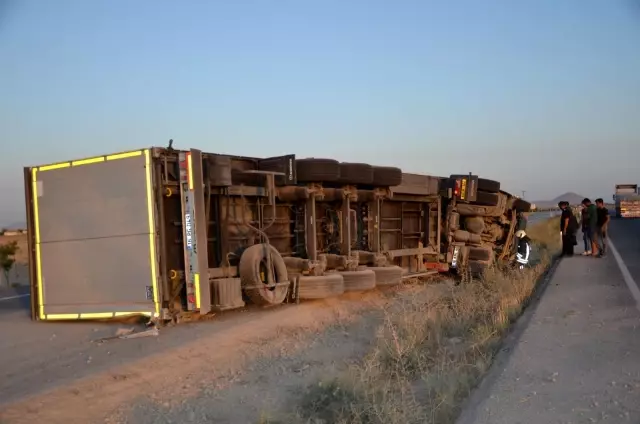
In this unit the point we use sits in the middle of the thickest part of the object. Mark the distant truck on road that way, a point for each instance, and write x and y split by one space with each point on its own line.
627 201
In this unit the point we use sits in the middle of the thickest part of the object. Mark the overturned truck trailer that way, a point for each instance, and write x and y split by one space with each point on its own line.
161 232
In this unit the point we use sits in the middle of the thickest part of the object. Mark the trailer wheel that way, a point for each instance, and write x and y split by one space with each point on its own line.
253 274
475 239
387 275
461 236
314 170
487 199
480 254
474 224
522 205
387 176
489 186
320 287
356 173
358 280
465 209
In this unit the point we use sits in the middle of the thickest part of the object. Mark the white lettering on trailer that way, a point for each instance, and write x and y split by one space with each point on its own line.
454 261
187 220
290 169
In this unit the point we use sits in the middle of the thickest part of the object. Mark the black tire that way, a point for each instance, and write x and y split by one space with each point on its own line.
487 199
474 224
465 209
480 254
320 287
489 186
387 176
521 205
454 220
387 275
475 239
314 170
258 290
358 280
461 236
356 173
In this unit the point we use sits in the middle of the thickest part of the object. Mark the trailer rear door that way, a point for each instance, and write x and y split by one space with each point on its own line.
93 236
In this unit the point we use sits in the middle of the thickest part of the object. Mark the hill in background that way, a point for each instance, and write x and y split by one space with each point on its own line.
572 198
15 226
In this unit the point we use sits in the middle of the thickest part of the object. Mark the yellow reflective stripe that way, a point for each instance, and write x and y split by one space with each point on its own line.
190 170
97 315
87 161
122 314
196 281
125 155
54 166
152 238
90 160
36 224
62 316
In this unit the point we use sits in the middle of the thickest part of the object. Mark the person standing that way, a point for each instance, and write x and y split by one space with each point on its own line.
568 228
585 231
523 249
602 225
592 222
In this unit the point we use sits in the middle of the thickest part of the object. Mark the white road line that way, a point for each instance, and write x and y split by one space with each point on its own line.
14 297
628 279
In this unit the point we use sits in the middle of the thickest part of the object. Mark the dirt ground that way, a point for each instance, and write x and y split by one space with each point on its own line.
246 370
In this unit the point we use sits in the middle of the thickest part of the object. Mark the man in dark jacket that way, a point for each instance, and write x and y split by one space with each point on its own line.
586 237
592 223
568 229
601 226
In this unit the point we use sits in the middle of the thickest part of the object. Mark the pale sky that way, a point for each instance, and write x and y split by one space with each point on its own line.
542 95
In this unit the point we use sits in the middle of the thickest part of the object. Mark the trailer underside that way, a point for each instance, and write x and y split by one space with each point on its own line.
161 232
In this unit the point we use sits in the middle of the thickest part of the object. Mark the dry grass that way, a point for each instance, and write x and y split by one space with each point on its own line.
433 347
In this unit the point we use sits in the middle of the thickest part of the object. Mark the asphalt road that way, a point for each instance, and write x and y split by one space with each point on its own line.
37 356
625 233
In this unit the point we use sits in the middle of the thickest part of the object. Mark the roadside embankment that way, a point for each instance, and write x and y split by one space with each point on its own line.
433 346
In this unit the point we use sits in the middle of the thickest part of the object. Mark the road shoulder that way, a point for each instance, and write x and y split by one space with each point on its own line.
575 360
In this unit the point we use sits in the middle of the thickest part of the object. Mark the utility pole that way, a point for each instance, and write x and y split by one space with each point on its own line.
523 192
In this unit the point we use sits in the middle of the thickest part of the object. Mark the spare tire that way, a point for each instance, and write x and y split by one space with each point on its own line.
253 274
387 176
356 173
358 280
487 199
489 186
521 205
474 224
480 254
320 287
387 275
315 170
